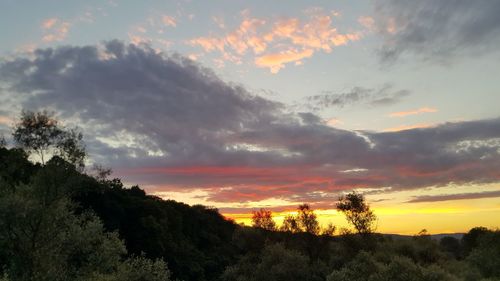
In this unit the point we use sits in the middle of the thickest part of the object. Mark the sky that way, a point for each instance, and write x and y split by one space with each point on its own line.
244 105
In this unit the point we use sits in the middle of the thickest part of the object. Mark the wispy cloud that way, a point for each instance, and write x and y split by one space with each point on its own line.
459 196
277 61
55 29
169 20
277 43
384 95
5 120
408 127
49 23
413 112
436 31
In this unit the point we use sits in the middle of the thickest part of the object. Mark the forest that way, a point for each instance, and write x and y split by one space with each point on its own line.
60 220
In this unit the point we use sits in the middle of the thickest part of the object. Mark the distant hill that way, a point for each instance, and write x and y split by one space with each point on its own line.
436 237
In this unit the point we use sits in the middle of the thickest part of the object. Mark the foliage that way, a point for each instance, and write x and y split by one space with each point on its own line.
290 224
365 267
274 263
357 212
263 219
42 238
486 256
305 221
40 133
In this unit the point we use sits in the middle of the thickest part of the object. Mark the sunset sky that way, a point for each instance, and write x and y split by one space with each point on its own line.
269 104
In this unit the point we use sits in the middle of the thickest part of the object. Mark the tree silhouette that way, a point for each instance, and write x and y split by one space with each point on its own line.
263 219
290 224
357 212
40 133
304 221
308 219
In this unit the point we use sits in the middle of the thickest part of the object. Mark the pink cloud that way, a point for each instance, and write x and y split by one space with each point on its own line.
413 112
408 127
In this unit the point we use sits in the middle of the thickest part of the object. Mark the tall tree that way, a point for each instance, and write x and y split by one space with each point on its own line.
40 133
263 219
308 219
305 221
357 212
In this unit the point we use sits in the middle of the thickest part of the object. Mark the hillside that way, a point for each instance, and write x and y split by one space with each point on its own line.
198 243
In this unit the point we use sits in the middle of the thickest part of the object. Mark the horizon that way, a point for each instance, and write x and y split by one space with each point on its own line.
242 107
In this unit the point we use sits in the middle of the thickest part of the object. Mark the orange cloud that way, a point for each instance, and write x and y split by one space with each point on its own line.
49 23
276 61
333 122
413 112
169 21
4 120
137 39
55 30
290 39
209 43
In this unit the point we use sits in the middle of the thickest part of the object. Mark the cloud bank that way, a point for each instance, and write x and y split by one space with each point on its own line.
173 125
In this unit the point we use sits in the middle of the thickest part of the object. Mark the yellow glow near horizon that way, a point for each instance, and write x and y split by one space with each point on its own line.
394 213
434 220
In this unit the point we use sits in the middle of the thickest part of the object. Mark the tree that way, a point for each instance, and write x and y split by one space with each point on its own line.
470 240
3 142
47 240
40 133
357 212
485 255
307 219
329 230
290 224
263 219
274 263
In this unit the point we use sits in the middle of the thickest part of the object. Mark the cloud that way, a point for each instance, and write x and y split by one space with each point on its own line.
5 120
277 61
169 21
49 23
408 127
169 124
460 196
277 43
437 30
385 95
367 22
413 112
55 30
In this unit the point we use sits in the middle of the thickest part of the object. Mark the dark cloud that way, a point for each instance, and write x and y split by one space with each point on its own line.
460 196
166 122
385 95
436 30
